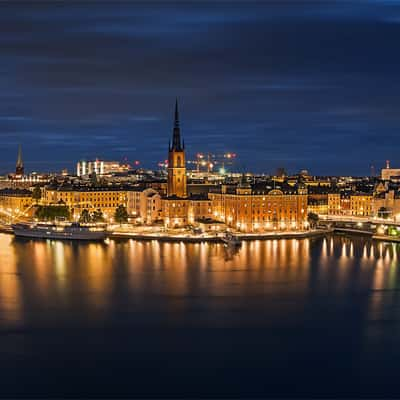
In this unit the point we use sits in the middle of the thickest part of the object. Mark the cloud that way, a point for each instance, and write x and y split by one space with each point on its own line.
260 79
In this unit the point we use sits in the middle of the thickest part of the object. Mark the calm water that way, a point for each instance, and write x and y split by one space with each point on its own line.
276 318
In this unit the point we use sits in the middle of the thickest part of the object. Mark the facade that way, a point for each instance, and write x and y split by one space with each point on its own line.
334 204
361 205
16 202
79 198
387 204
178 212
175 212
248 210
144 205
318 204
389 173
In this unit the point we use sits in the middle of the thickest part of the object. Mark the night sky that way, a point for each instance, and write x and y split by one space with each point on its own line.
301 85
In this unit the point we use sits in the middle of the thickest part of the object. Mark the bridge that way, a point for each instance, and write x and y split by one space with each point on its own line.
377 228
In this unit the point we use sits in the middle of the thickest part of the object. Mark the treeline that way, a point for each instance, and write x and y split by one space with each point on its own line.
87 217
50 213
61 211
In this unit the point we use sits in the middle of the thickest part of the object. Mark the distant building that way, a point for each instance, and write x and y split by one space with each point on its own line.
389 173
19 180
361 205
100 167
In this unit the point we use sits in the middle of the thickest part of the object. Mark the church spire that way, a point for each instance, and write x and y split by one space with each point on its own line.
19 169
176 137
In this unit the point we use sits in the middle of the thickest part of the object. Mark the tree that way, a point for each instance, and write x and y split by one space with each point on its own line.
85 217
36 194
98 216
383 212
312 219
121 215
50 213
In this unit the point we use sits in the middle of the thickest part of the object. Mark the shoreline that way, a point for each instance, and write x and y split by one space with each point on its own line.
189 238
217 239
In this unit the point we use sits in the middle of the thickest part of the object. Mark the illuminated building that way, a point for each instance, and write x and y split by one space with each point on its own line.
176 162
144 206
175 205
260 208
361 205
387 204
334 204
79 198
19 180
178 209
317 201
15 202
100 167
390 173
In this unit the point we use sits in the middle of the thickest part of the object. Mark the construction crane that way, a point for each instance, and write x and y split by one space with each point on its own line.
209 161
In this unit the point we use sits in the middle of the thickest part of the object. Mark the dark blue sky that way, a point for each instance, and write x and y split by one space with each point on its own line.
301 85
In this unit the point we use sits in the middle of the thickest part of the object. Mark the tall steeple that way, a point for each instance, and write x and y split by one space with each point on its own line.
176 136
19 168
176 161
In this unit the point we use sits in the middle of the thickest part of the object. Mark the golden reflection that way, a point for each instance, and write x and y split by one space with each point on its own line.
98 260
324 250
10 284
383 286
90 275
364 254
59 261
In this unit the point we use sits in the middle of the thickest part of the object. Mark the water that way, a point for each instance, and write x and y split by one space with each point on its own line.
276 318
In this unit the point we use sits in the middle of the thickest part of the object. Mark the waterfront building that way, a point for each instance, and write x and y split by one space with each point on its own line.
91 198
16 203
248 208
255 208
144 205
361 204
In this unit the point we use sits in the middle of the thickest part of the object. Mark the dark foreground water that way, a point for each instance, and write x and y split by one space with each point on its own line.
277 318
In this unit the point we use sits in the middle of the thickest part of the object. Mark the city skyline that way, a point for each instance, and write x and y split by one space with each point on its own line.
306 86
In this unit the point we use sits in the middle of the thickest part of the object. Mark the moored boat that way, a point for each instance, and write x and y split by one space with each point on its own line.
231 240
73 231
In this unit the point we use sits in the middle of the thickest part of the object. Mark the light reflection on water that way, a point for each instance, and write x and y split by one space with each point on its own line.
66 274
277 309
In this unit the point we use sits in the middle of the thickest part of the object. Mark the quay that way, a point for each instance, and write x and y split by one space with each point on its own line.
188 238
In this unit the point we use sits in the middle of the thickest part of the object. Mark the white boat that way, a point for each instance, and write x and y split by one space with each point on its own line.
231 240
73 231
